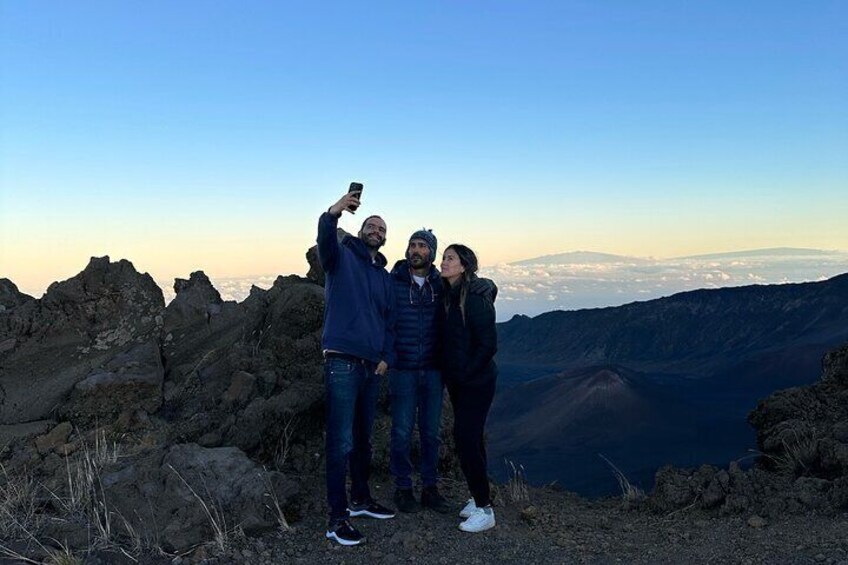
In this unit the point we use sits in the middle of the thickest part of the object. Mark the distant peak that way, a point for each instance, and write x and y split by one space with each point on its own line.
766 252
605 378
578 257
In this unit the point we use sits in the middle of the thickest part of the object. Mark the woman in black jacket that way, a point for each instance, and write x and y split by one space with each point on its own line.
468 369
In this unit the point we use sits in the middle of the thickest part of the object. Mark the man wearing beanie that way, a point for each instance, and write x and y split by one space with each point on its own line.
415 384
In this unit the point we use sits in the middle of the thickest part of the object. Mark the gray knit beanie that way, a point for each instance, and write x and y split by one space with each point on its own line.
429 237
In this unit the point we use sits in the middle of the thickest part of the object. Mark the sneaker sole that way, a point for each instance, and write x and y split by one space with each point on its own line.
489 527
368 514
334 537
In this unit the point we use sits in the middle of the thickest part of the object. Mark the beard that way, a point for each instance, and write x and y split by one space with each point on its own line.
373 241
419 261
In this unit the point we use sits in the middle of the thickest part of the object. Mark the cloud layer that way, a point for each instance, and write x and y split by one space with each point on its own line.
573 281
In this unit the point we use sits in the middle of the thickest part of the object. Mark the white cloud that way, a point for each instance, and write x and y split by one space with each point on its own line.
531 289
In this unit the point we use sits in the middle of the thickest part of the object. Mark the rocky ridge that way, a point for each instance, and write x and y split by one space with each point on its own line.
193 432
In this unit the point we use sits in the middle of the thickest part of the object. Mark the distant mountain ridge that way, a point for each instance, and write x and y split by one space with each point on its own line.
768 252
668 380
690 330
579 257
595 257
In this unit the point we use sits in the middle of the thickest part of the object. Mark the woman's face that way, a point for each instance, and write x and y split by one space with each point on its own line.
451 268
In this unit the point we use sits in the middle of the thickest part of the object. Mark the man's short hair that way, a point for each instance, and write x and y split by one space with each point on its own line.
362 227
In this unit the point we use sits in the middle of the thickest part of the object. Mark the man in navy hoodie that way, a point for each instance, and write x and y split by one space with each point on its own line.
415 383
358 346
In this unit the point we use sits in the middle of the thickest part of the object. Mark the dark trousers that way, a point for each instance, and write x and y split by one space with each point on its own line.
351 395
415 392
470 408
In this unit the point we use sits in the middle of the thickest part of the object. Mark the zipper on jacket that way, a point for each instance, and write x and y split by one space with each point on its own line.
420 325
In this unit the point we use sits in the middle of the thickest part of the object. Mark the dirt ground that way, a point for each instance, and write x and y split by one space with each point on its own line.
550 527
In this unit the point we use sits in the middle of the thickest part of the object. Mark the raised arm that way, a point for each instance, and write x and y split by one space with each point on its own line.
328 223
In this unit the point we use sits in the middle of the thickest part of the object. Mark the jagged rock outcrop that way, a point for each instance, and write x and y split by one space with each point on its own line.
214 389
237 376
802 434
11 297
804 431
200 350
51 344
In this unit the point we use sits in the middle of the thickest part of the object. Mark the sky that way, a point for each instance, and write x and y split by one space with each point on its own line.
209 136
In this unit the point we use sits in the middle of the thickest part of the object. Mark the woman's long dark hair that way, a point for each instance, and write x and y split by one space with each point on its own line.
468 259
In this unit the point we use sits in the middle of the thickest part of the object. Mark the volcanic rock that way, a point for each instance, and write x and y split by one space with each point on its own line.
131 380
10 296
186 491
801 430
55 439
74 329
240 377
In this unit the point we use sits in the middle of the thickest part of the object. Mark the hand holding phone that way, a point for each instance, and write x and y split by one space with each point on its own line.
349 201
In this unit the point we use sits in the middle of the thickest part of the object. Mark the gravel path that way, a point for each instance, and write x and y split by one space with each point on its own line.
557 527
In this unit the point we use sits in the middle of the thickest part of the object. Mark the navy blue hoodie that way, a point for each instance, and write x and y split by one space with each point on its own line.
359 298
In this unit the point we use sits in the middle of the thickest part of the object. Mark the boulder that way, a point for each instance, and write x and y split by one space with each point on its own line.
182 494
673 489
56 438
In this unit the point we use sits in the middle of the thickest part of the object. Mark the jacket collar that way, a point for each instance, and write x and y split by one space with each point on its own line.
402 271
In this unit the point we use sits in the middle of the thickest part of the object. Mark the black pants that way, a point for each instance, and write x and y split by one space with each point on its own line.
471 407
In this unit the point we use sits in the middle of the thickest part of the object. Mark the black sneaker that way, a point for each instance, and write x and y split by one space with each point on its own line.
371 509
343 532
430 498
405 501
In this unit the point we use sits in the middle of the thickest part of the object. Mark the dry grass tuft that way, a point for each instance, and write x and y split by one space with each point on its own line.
18 504
214 513
517 489
629 492
277 509
800 453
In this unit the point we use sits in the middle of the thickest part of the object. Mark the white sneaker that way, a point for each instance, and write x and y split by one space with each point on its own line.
468 510
480 520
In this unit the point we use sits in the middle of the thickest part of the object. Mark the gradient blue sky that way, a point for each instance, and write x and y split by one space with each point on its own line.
210 135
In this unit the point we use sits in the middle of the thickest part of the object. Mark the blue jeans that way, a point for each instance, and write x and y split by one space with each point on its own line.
411 392
352 389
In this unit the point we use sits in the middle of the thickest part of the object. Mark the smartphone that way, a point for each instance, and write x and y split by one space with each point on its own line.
357 188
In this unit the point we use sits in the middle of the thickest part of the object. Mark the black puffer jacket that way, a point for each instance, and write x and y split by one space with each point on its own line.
469 346
416 334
